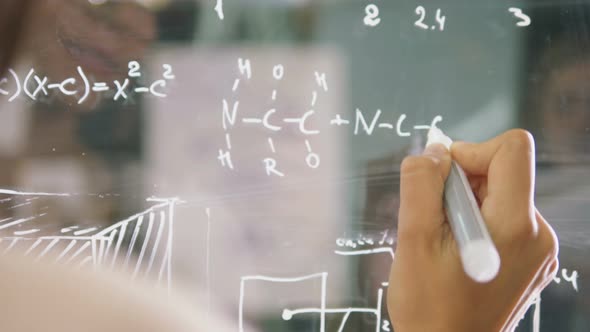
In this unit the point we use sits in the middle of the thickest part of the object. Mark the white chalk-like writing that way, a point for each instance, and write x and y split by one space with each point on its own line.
99 246
524 19
312 159
572 278
219 9
36 85
372 15
361 240
305 124
381 324
439 19
230 117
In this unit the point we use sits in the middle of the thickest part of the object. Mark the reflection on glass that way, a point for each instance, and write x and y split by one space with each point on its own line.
110 154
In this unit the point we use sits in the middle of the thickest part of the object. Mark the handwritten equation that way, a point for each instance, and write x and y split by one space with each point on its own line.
361 240
361 123
34 85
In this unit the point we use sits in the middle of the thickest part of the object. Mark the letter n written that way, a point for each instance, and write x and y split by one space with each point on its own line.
360 119
229 117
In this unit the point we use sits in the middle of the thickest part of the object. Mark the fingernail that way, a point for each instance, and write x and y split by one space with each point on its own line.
436 150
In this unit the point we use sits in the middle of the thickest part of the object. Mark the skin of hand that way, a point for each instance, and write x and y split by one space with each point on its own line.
428 289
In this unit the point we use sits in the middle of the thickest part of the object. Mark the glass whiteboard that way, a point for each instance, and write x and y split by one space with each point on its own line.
247 153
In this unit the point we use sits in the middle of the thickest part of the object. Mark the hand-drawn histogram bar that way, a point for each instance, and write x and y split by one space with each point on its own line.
140 244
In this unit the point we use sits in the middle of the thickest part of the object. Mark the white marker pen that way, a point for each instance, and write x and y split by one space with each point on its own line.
478 253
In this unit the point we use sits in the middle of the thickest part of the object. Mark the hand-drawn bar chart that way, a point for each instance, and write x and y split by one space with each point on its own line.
140 244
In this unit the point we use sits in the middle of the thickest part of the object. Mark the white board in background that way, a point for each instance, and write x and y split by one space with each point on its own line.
260 225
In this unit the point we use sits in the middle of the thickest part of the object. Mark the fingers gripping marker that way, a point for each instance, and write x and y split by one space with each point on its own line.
479 255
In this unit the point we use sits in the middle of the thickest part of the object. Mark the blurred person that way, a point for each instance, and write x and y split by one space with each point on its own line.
557 89
556 109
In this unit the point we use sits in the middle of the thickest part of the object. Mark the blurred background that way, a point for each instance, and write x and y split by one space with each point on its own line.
110 103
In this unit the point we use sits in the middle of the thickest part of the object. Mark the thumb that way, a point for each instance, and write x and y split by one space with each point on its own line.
422 179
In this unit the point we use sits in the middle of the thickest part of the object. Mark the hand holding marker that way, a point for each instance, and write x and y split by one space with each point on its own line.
434 277
479 256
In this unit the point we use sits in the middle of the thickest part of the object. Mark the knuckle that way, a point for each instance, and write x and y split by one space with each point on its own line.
526 227
548 242
520 139
525 231
415 164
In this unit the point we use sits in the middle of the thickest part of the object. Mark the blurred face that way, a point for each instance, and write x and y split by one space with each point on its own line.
565 109
101 38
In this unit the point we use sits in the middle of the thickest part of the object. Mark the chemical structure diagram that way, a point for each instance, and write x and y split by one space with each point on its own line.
270 120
